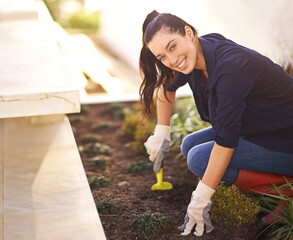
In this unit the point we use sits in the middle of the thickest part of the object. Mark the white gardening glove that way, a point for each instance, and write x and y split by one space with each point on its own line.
198 210
155 142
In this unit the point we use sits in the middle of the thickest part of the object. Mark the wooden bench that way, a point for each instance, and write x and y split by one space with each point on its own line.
44 190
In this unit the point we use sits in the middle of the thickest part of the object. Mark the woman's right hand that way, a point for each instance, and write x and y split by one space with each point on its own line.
155 142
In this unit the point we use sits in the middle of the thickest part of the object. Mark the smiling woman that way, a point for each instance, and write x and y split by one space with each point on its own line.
245 96
177 52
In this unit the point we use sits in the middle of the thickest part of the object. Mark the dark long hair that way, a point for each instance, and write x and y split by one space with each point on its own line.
153 72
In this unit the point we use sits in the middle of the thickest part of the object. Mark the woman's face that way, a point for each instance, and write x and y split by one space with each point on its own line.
175 51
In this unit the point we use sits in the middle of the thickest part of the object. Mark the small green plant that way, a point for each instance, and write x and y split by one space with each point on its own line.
76 119
99 181
139 166
100 162
232 207
99 126
282 229
149 222
90 138
106 207
117 110
94 148
106 150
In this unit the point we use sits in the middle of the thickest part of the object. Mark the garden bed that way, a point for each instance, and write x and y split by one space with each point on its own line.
130 188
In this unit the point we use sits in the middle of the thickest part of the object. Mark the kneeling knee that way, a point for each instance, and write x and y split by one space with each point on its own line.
186 146
196 162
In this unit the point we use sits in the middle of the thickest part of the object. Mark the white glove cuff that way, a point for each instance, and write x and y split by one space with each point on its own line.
163 130
204 191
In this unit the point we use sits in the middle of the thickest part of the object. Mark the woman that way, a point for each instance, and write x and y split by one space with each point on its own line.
246 97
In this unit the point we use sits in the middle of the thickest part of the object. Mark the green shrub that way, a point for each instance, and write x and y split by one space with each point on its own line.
100 162
232 207
99 181
149 223
142 133
84 20
106 207
131 121
139 130
139 166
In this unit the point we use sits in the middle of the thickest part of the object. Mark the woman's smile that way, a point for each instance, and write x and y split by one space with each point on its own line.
182 64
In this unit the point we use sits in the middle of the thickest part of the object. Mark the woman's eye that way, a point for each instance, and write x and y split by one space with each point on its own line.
172 47
162 58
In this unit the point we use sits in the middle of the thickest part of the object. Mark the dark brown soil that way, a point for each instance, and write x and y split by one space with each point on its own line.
132 191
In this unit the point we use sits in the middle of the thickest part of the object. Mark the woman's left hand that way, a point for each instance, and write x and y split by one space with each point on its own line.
198 210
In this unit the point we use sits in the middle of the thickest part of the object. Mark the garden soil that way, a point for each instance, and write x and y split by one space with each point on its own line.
131 191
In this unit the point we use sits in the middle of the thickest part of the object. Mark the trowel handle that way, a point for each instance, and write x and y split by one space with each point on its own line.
159 176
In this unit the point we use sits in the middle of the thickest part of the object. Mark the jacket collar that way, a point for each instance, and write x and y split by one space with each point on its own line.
208 49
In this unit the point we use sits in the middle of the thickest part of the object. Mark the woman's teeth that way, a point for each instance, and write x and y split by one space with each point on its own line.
182 63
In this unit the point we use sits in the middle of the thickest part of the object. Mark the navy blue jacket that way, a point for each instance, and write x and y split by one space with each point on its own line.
247 95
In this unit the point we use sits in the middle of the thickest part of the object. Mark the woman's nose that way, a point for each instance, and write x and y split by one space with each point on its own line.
173 59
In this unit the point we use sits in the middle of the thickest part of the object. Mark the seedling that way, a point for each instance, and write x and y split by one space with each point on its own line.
149 222
94 148
106 207
232 207
99 181
106 150
76 119
117 110
139 166
100 162
90 138
100 126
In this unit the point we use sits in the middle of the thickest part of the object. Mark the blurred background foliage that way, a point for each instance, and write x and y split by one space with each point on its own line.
72 14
